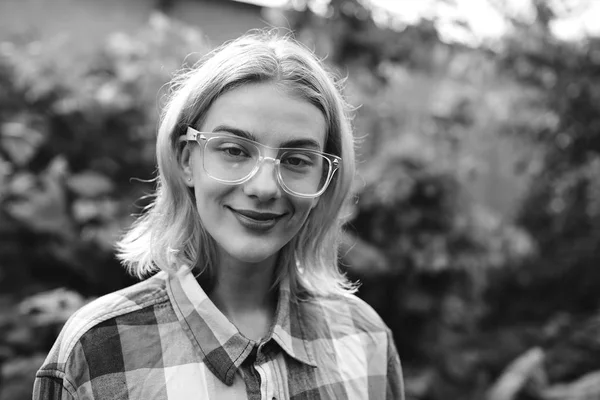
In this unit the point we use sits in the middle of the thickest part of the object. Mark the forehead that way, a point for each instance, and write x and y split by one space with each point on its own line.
270 114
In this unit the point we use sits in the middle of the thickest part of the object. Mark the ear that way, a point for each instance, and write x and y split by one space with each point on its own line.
186 165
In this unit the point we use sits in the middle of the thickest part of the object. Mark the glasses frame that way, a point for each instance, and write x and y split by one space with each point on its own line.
202 138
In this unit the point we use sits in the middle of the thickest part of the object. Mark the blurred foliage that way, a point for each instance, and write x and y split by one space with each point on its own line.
558 289
562 207
71 137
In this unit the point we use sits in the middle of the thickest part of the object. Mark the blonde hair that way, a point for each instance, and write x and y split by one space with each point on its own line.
170 233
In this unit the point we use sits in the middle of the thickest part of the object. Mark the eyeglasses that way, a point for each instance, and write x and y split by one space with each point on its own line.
234 160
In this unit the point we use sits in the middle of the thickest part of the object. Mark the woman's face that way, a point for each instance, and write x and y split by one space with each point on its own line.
251 222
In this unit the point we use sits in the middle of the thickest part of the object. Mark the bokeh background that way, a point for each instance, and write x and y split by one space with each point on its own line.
476 230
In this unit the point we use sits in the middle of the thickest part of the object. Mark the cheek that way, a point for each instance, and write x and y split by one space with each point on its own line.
210 193
303 209
206 193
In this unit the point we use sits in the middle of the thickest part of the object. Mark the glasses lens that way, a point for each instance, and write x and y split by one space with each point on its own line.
303 171
229 158
232 159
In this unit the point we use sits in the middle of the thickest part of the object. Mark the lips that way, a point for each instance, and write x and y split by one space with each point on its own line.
256 220
257 215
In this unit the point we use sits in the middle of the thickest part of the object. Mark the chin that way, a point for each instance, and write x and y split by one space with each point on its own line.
252 254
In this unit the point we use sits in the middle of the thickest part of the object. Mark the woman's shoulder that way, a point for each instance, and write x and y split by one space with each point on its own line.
346 314
102 311
349 343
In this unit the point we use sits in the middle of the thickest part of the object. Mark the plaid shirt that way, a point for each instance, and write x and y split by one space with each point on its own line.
164 339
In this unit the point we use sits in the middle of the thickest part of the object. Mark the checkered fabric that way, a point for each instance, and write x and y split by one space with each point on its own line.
163 338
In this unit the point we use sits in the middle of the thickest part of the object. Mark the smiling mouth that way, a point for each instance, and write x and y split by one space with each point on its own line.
255 220
257 215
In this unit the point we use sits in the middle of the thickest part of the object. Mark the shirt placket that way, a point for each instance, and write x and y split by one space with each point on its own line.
259 371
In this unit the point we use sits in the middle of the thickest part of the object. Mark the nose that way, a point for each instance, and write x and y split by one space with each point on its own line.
264 185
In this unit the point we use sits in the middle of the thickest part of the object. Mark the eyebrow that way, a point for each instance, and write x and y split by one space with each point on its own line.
294 143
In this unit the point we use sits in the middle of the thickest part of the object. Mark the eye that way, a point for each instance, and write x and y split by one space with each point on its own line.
234 150
297 160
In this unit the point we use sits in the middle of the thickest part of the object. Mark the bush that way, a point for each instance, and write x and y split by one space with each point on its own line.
72 135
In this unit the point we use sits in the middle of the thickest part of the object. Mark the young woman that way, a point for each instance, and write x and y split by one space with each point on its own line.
245 300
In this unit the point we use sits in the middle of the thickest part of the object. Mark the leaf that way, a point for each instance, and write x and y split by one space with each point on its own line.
5 171
20 141
90 184
43 208
51 307
21 184
85 210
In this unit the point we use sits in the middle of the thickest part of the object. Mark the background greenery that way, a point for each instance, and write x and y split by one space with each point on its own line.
484 302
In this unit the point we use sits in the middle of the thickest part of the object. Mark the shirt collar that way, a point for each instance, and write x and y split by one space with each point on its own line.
223 347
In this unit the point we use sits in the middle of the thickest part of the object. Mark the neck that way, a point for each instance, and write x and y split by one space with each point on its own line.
242 292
